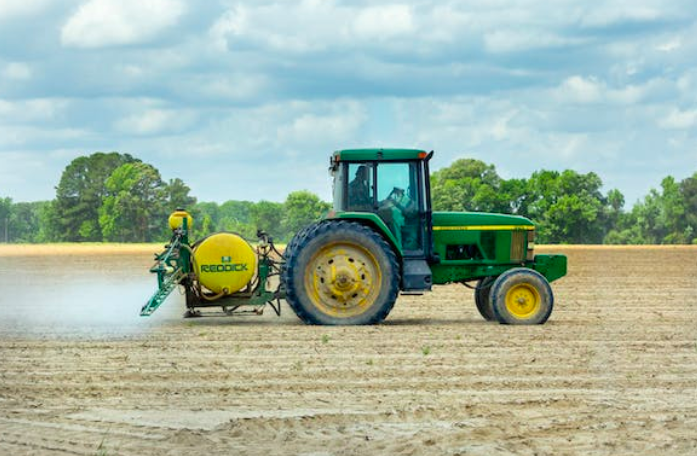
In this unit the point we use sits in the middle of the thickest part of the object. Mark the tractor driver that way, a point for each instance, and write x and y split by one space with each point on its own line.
359 193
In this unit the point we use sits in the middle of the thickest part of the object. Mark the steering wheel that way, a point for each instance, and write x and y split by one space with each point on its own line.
395 198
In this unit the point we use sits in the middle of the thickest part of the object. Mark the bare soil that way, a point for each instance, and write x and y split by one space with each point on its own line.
614 371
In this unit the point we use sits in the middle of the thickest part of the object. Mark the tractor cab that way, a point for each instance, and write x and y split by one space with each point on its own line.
390 183
389 189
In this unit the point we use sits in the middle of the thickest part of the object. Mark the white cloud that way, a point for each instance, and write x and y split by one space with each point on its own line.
506 41
155 121
132 71
570 146
34 110
311 26
337 126
609 14
578 89
452 23
591 90
669 46
17 71
653 89
103 23
383 22
308 26
23 136
236 87
687 86
680 120
232 22
10 9
500 128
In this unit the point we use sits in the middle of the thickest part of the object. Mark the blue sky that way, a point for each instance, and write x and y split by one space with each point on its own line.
247 99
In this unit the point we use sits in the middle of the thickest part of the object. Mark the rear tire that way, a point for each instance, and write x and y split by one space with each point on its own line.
296 240
482 298
341 273
522 296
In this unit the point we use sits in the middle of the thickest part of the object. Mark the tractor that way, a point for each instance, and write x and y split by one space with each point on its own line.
380 239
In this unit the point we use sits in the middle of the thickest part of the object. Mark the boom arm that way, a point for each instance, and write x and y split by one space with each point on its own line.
171 267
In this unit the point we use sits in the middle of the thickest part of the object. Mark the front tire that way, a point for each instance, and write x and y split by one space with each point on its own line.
522 296
341 273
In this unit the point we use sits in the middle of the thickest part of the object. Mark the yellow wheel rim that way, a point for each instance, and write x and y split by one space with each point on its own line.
523 301
343 279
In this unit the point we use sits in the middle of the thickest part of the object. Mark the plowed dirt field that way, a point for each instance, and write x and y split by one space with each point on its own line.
614 371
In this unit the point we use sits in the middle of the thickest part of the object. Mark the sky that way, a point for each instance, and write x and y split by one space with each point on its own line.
246 100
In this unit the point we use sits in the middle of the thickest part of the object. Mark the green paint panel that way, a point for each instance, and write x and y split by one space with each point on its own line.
478 219
462 271
370 219
477 237
553 267
378 154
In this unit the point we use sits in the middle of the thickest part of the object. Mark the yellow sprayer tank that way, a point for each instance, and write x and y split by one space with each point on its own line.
225 263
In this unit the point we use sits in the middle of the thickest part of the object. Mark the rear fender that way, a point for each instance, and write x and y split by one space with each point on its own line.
372 220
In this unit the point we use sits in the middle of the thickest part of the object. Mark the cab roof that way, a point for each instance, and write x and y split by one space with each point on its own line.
378 155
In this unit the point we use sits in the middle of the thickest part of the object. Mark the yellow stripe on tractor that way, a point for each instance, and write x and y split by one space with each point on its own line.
485 228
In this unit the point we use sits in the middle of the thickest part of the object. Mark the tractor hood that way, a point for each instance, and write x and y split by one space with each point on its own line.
483 221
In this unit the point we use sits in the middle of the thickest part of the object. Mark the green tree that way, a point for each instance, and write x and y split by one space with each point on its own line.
621 227
49 230
134 208
236 216
267 216
79 195
206 217
514 193
177 196
5 212
25 222
645 214
671 219
688 189
662 217
627 232
240 211
568 206
468 184
300 209
614 210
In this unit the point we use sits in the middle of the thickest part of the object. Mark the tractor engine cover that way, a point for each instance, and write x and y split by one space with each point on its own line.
225 263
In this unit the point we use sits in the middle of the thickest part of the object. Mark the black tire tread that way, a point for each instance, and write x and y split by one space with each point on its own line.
482 298
300 241
532 276
286 274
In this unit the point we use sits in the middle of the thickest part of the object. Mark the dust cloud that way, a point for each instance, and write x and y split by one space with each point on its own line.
81 294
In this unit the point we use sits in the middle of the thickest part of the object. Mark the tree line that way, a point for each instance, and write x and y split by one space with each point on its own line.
569 207
116 197
113 197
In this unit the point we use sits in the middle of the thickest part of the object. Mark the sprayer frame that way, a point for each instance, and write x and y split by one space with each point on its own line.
174 266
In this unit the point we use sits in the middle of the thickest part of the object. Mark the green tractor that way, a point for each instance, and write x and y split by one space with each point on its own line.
381 239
